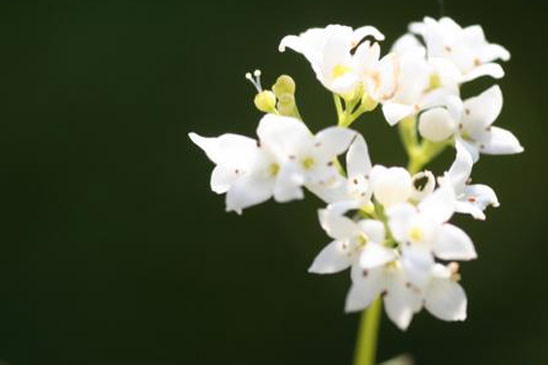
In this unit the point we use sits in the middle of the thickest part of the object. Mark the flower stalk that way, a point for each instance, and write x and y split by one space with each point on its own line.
368 332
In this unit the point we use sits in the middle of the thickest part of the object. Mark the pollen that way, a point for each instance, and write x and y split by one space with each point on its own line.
308 163
416 234
340 70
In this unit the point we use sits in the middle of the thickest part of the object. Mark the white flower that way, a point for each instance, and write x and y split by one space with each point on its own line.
353 191
471 123
329 52
423 233
289 156
421 82
471 199
354 243
443 296
465 47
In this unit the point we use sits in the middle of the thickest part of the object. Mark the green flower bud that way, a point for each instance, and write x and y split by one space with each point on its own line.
284 85
367 103
265 101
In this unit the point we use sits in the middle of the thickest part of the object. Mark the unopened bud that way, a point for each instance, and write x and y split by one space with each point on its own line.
436 124
367 103
284 85
265 101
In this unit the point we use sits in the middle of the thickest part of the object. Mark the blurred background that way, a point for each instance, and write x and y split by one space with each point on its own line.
113 250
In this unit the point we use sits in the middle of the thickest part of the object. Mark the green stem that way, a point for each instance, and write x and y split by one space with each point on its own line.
338 107
366 344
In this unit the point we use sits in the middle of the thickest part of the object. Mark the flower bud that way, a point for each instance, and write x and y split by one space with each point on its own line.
284 85
368 103
391 185
436 124
265 101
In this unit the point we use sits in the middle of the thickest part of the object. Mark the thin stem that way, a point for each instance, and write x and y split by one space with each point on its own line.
338 107
366 344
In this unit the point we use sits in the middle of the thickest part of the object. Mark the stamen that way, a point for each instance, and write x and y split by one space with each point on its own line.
255 79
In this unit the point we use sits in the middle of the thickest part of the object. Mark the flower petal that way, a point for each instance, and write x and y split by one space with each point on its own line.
374 229
452 243
358 161
446 300
500 141
364 290
337 226
229 149
283 136
394 112
487 69
440 205
333 141
248 191
333 258
375 255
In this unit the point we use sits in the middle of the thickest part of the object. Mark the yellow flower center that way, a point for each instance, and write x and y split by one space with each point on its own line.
308 163
435 82
340 70
416 234
273 169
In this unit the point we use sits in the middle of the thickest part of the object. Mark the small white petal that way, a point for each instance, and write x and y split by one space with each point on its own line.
446 300
333 141
283 135
487 69
222 179
375 255
420 189
452 243
394 112
417 263
358 161
247 191
374 229
500 141
397 302
337 226
460 170
288 184
399 216
482 110
333 258
440 205
227 149
364 289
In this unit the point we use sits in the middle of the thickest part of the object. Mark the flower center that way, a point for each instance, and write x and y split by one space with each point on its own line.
273 169
340 70
308 163
416 234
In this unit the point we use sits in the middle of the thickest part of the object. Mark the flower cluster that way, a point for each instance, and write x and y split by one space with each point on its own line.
388 225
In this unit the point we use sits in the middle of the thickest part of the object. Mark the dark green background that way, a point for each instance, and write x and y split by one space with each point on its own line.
113 249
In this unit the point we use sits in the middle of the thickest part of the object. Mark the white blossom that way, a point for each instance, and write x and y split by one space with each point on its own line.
471 199
423 233
466 47
286 157
471 124
354 243
342 62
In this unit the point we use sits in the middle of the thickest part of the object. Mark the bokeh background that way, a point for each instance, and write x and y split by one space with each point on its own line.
114 251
